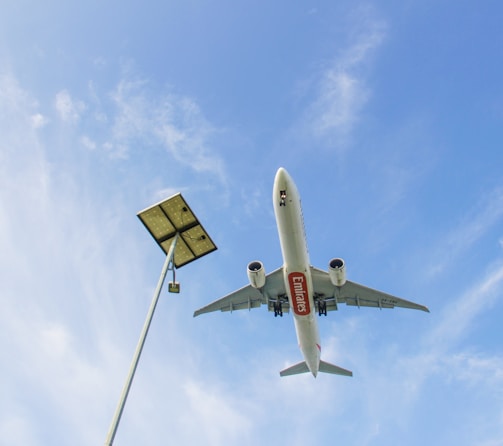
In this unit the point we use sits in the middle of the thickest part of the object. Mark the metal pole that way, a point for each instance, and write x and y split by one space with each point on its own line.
139 348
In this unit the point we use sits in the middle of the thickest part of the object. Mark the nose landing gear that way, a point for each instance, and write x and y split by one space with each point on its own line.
282 196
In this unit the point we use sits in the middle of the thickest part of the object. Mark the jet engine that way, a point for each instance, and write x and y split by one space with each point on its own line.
256 274
337 272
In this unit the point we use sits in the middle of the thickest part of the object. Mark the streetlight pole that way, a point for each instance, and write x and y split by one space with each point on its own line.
181 236
141 342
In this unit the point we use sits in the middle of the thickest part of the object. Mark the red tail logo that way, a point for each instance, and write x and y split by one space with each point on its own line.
298 291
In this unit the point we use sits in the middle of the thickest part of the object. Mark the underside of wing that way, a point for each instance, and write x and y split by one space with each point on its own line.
354 294
272 294
244 298
358 295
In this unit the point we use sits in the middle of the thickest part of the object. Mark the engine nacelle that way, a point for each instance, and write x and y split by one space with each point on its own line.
337 272
256 274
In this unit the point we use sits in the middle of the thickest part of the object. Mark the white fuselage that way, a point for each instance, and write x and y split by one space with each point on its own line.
296 267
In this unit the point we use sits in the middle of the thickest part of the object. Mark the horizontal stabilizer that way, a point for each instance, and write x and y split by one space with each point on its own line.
296 369
326 367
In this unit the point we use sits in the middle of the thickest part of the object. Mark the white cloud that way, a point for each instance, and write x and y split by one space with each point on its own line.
69 109
39 120
168 192
342 91
132 119
16 429
173 122
56 278
222 421
458 315
88 143
472 227
340 100
438 355
54 341
474 369
395 378
70 286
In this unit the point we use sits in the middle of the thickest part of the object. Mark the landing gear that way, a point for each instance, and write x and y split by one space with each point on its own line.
322 308
278 310
282 195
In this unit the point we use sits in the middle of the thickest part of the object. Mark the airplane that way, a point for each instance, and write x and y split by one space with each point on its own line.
301 287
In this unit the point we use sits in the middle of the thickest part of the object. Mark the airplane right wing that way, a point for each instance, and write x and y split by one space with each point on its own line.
248 297
354 294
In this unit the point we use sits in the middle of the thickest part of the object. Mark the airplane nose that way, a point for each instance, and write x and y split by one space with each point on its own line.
281 176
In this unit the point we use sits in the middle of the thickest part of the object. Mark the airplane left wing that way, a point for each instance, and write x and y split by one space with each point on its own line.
354 294
248 297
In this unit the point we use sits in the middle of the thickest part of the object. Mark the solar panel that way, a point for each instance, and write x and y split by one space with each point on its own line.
171 216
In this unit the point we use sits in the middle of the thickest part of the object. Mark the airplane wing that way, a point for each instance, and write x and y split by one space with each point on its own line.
354 294
248 297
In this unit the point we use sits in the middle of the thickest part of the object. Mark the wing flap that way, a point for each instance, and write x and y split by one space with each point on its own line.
357 302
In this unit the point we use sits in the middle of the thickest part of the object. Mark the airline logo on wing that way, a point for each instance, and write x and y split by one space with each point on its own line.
298 290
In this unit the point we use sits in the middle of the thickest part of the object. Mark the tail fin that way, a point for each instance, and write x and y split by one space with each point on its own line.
325 367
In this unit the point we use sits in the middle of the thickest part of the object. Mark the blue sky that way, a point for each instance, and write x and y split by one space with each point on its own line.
388 116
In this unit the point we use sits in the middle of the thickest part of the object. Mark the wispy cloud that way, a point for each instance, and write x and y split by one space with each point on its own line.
474 369
63 266
39 120
473 226
32 268
395 379
459 315
67 258
342 91
68 108
222 420
173 122
132 119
